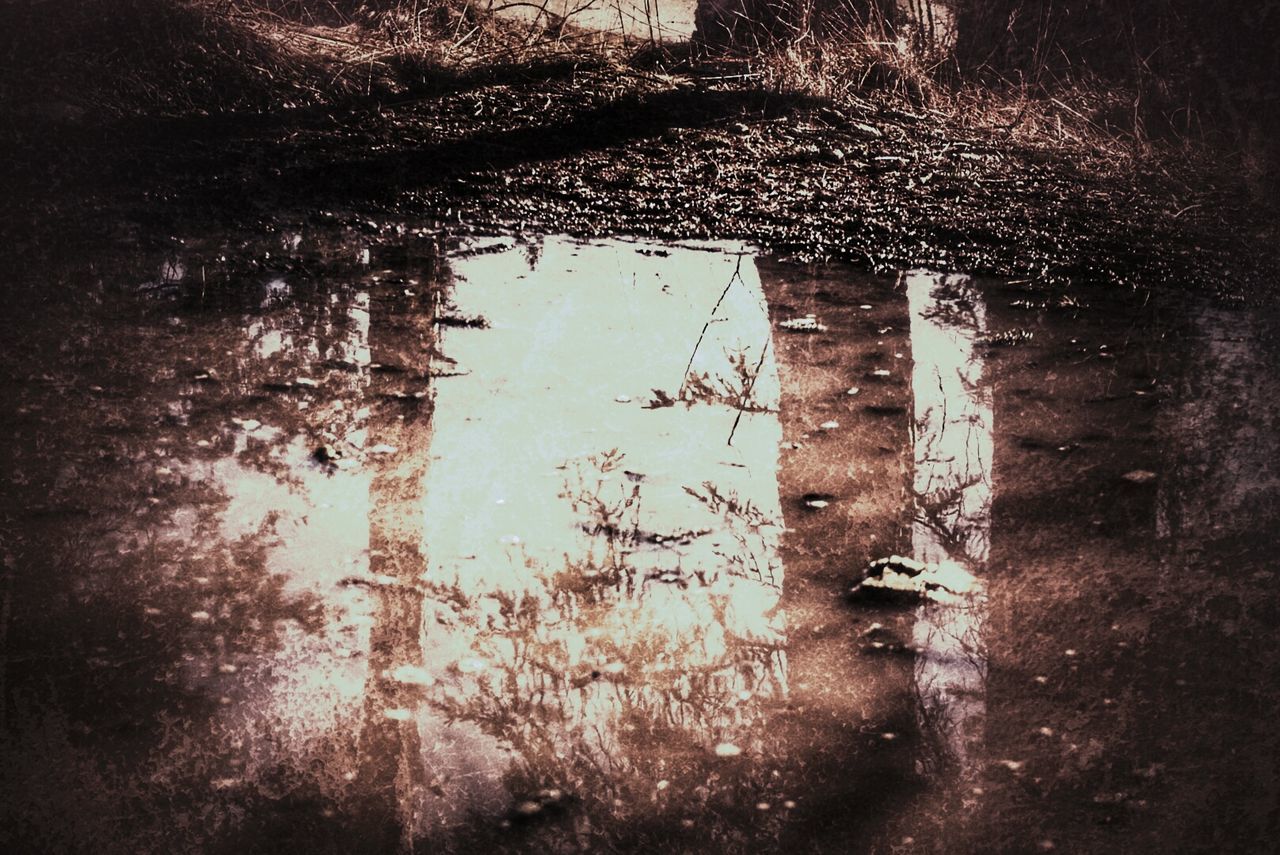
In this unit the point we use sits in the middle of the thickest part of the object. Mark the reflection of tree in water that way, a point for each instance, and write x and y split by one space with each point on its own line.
161 612
952 437
604 679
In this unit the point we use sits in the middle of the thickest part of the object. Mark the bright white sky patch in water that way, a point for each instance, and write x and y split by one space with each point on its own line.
954 440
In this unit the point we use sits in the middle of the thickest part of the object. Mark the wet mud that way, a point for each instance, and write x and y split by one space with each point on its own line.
600 151
350 542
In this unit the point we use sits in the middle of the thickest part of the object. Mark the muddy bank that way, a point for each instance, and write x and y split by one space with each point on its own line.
594 151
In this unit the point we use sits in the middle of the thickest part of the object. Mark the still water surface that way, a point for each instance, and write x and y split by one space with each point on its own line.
359 543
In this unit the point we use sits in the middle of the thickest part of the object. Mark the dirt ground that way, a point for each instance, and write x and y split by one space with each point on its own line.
598 149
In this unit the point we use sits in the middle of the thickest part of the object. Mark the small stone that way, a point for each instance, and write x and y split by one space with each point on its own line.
623 399
852 390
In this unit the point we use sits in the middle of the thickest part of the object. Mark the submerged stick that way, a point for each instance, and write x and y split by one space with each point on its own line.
746 393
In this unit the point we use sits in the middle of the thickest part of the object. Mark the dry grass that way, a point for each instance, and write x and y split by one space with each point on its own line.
177 57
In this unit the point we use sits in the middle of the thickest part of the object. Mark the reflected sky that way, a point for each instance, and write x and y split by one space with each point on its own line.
953 439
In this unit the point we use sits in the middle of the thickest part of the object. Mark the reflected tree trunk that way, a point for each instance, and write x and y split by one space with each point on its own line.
399 431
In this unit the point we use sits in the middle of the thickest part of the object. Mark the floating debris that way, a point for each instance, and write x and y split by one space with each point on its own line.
808 323
832 425
1009 338
413 675
945 581
727 749
1140 476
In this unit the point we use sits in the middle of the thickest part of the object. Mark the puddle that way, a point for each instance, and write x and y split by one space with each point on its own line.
323 540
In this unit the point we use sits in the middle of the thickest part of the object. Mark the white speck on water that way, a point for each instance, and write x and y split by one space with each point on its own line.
305 381
818 504
809 323
623 399
833 425
200 615
727 749
663 784
852 390
528 808
413 675
881 372
1140 476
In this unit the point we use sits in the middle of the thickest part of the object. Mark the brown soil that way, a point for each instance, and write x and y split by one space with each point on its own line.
598 148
